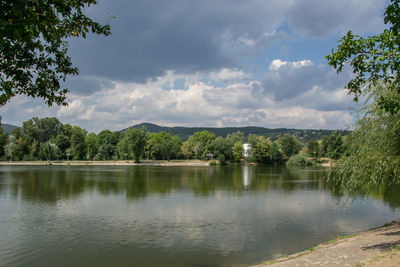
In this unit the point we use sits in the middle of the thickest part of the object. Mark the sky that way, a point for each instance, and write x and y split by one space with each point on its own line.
214 63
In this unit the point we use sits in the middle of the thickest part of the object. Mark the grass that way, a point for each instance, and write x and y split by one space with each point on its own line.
339 238
285 256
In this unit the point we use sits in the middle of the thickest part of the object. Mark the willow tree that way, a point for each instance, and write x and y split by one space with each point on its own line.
33 46
372 158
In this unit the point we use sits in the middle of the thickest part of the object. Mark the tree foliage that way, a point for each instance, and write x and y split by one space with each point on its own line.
78 148
48 139
3 141
372 157
313 149
33 46
373 59
290 145
133 143
237 151
371 160
164 145
265 151
200 143
222 146
106 144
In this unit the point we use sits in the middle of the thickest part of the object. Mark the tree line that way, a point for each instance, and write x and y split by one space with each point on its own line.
49 139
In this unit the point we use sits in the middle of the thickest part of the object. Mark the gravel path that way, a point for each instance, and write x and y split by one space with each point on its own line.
375 247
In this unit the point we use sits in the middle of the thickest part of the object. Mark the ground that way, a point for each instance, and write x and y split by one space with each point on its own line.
375 247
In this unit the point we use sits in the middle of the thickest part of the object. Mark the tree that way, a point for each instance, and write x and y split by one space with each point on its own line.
9 148
313 149
290 145
200 143
50 151
186 150
33 46
235 137
323 148
41 130
163 145
107 142
63 143
3 141
222 146
237 151
135 141
260 146
91 145
335 146
78 148
275 152
123 149
372 159
374 59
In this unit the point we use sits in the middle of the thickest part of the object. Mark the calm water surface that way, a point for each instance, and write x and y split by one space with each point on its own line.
170 216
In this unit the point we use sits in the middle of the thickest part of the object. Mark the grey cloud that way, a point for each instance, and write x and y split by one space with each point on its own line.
87 85
289 82
186 36
151 37
325 17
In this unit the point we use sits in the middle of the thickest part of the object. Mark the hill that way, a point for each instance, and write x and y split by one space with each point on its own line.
8 128
185 132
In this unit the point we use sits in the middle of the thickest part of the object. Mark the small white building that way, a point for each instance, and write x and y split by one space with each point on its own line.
246 150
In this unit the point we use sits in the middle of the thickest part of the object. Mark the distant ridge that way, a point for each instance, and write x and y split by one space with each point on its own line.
8 128
185 132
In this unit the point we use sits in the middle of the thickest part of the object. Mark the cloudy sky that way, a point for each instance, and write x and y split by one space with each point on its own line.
210 63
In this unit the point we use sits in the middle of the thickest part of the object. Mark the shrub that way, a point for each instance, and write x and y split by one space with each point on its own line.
213 163
298 160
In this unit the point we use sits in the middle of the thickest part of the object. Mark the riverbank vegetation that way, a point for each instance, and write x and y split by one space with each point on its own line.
49 139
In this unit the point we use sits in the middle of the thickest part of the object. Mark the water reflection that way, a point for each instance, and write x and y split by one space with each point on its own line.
170 216
246 176
52 183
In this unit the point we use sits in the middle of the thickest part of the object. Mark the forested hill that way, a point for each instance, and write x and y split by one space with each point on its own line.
8 128
185 132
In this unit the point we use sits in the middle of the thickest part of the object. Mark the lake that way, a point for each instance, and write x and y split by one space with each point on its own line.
171 216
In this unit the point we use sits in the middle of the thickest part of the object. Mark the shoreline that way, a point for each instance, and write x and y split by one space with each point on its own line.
106 163
379 246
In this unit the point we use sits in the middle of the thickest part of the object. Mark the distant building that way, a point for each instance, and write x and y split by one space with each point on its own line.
246 150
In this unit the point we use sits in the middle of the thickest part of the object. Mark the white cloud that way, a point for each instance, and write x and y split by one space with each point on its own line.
226 74
228 97
276 64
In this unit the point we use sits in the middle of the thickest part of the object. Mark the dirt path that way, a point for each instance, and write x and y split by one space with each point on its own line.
375 247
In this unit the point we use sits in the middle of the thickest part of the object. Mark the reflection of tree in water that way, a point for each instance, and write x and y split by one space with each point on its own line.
388 193
204 182
50 184
292 179
45 185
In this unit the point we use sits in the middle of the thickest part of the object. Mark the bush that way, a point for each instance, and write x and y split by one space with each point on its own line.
29 158
221 159
298 160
